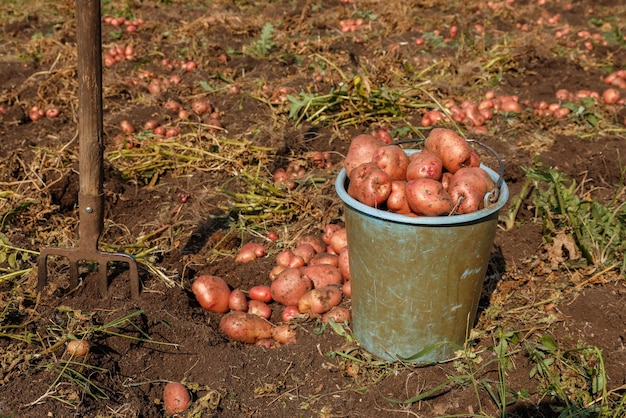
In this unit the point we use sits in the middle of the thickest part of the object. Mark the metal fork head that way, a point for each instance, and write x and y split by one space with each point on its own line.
90 228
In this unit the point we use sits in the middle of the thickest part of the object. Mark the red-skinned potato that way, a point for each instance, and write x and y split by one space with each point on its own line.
275 271
325 258
396 202
428 198
453 150
346 289
468 187
259 308
329 231
392 160
322 275
238 301
284 334
361 150
445 180
267 343
288 259
212 293
319 301
77 348
383 134
339 240
250 251
245 327
344 264
176 398
314 241
260 292
339 314
305 251
370 185
474 159
289 287
290 313
424 165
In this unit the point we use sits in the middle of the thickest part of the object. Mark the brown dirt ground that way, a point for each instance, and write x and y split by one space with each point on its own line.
300 379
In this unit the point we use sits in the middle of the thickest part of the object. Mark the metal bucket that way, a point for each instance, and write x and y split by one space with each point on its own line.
417 281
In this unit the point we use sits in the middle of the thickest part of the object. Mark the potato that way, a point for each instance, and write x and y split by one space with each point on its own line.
346 289
289 287
245 327
290 313
392 160
396 202
319 301
361 150
446 178
175 398
238 301
453 150
77 348
325 258
329 231
344 264
259 308
370 185
275 271
424 165
339 240
260 292
250 251
314 241
212 293
428 198
287 258
474 159
339 314
284 334
305 251
468 187
322 275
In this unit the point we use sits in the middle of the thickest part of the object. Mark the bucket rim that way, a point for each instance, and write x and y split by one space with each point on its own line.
340 188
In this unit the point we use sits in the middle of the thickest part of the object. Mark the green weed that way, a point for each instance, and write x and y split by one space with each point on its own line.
598 230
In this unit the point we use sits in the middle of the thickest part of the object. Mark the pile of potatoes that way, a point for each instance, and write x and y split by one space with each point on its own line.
445 178
308 281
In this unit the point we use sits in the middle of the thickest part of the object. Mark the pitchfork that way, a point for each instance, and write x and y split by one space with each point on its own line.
91 152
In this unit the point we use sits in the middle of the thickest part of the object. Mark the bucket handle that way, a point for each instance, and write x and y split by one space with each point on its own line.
490 197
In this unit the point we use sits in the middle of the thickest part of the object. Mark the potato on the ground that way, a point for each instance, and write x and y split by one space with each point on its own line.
339 314
344 264
245 327
284 334
176 398
238 301
289 287
322 275
212 293
319 301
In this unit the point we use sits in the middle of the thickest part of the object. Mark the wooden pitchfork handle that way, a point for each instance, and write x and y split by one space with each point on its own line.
91 157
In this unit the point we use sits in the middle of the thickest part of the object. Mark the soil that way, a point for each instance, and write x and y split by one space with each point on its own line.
169 337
